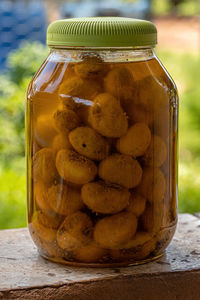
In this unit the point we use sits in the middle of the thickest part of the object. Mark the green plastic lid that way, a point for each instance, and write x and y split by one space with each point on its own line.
101 32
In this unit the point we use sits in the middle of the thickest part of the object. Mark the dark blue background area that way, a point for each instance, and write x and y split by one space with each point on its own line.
20 21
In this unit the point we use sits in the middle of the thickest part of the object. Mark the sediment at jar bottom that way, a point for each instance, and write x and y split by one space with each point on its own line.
142 247
100 175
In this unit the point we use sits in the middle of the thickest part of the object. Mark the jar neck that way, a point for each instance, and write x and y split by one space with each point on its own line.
106 54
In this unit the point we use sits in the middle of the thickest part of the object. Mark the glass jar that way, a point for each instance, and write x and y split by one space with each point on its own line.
102 145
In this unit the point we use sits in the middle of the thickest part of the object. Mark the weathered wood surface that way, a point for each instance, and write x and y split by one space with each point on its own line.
25 275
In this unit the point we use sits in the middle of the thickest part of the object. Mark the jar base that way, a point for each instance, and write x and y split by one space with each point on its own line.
101 265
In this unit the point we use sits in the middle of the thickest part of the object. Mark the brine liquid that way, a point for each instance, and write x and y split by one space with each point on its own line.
101 154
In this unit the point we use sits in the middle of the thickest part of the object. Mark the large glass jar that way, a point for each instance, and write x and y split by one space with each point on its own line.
102 145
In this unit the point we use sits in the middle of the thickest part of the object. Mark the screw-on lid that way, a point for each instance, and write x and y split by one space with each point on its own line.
101 32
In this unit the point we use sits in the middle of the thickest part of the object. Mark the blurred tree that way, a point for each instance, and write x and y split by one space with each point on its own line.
22 64
174 5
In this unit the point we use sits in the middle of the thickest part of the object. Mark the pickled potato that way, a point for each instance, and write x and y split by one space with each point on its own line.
45 130
121 169
79 106
113 231
91 67
66 120
139 114
89 143
74 167
105 198
139 239
83 111
138 248
53 250
45 233
90 253
64 200
44 166
163 238
40 195
67 102
152 93
49 219
136 140
107 117
153 185
81 88
125 97
118 80
137 204
156 154
60 142
152 218
75 231
162 123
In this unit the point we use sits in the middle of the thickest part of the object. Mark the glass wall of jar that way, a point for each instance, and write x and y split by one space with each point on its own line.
101 155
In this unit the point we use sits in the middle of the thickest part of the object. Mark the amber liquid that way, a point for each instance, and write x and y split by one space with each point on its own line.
65 222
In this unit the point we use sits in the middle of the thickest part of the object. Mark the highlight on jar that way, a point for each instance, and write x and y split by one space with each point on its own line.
101 155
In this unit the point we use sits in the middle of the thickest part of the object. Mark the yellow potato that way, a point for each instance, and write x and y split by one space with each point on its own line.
151 94
64 200
44 168
118 80
167 218
152 218
74 167
40 195
83 111
45 130
162 122
67 102
125 97
138 114
107 117
113 231
81 88
49 219
90 253
140 238
39 231
105 198
91 67
79 106
136 140
66 120
163 238
156 153
138 248
50 249
60 142
137 204
53 250
89 143
153 185
121 169
75 231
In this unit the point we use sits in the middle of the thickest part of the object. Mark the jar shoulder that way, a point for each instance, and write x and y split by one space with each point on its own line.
61 66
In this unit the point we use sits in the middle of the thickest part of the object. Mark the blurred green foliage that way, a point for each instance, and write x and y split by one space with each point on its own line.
22 65
184 68
184 7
